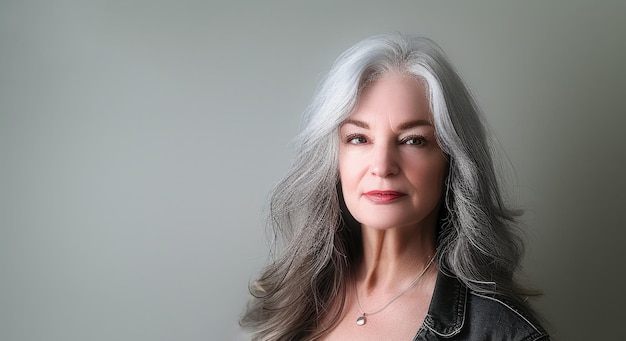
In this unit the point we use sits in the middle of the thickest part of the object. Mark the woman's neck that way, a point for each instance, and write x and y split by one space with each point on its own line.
393 258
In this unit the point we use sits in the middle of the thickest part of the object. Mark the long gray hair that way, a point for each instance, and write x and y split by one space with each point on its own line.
315 242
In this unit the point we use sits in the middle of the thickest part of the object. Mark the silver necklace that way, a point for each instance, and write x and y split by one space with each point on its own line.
362 320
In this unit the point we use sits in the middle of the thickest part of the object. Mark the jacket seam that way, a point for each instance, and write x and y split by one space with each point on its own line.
458 328
513 310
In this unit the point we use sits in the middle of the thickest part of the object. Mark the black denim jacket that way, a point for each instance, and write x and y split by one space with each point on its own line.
457 313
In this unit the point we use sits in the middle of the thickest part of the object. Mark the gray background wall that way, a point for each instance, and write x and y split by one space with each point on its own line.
139 140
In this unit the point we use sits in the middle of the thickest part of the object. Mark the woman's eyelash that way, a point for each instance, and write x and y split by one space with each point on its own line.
352 137
417 140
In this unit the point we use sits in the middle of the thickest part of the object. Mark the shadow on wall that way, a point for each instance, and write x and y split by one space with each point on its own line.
577 171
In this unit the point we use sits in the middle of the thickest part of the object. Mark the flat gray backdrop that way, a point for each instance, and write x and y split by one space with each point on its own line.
139 141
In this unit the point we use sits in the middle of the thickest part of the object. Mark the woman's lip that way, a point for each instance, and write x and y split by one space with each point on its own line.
383 196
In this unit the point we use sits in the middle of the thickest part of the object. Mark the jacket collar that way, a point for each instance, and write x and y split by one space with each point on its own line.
446 314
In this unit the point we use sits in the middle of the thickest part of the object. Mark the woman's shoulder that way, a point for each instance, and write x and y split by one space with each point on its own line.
502 318
458 313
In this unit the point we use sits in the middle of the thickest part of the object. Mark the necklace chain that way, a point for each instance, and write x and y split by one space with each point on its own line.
361 320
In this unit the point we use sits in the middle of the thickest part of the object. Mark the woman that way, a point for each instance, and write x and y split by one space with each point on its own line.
391 222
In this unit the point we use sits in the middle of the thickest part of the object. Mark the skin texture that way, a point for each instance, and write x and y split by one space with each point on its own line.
388 144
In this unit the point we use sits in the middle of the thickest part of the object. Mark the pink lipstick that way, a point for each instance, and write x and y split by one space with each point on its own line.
383 197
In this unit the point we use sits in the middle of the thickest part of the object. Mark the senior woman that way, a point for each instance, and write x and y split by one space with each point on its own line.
390 224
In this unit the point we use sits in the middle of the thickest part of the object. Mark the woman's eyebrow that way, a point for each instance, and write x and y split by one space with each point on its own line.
413 124
357 123
403 126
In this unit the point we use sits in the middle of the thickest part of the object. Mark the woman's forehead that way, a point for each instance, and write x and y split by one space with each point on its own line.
394 98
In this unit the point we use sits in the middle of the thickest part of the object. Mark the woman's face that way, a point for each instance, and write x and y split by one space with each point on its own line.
391 168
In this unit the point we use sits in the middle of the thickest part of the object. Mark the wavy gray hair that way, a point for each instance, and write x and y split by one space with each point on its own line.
316 242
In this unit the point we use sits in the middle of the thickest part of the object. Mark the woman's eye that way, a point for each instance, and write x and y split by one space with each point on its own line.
414 140
356 139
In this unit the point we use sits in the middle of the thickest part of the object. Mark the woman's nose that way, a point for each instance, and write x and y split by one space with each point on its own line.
384 161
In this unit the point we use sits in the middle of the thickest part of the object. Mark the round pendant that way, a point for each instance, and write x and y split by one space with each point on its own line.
361 320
